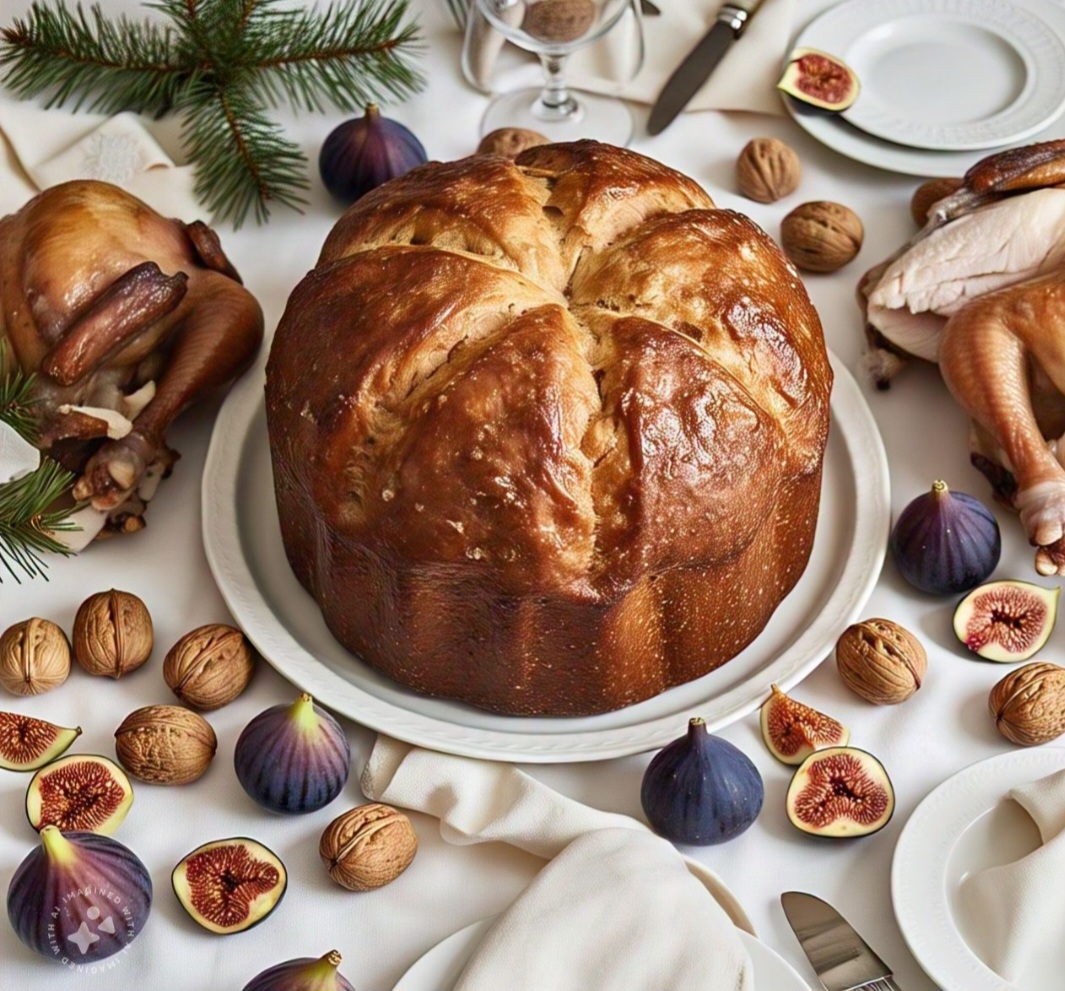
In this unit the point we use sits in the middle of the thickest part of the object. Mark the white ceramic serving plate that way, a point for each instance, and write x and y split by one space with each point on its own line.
919 98
243 544
440 967
966 824
948 75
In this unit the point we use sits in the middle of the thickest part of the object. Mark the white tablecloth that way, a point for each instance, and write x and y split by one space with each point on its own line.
942 729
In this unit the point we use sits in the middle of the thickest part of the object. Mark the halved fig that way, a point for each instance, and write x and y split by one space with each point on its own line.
230 885
1006 621
27 743
840 792
820 79
792 731
83 792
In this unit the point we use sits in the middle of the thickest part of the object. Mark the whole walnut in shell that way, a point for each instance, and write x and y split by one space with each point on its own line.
165 744
510 142
368 847
1028 705
112 633
821 236
209 666
767 170
881 661
928 193
34 657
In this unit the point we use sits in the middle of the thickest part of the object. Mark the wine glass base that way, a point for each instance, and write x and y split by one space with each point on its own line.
601 118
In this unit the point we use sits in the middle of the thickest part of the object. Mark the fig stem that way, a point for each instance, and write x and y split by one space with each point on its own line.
59 849
332 958
303 715
696 728
939 487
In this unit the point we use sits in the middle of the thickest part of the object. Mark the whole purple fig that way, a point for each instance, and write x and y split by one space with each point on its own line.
79 897
361 154
293 758
302 974
945 542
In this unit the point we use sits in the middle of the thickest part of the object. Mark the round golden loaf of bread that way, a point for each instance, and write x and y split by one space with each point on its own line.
547 435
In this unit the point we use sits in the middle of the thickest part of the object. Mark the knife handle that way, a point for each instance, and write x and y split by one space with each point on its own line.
736 15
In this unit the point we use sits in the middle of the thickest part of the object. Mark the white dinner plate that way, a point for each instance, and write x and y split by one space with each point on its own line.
965 825
949 75
840 134
440 967
244 550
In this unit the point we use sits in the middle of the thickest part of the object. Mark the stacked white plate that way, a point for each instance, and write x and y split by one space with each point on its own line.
943 82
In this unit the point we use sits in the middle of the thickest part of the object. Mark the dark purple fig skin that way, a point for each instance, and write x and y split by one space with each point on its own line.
302 974
946 542
701 789
361 154
289 769
103 881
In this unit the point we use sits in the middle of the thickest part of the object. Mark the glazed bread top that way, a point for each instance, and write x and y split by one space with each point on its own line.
566 372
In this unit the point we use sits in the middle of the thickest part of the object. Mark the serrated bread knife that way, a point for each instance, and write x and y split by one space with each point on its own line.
842 960
690 75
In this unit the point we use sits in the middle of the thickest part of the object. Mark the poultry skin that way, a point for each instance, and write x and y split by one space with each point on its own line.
124 318
980 289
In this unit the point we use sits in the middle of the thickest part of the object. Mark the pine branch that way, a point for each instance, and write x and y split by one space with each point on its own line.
243 159
16 401
220 63
350 55
27 526
84 58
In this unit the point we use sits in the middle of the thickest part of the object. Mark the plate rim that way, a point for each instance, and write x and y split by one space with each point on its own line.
852 142
477 925
918 892
836 19
862 563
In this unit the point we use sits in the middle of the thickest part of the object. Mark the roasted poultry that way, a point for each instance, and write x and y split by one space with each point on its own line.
981 290
126 318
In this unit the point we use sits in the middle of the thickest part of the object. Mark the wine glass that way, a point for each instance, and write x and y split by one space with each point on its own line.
552 30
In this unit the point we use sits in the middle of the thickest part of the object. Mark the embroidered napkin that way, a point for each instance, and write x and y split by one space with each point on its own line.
744 80
43 148
615 907
1020 905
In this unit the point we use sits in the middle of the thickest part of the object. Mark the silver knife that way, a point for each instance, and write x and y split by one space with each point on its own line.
842 960
730 24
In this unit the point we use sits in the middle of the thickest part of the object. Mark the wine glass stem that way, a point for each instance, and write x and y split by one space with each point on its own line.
556 103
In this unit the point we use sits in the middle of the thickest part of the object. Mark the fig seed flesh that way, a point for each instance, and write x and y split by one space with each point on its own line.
792 730
80 792
840 792
230 885
27 743
1006 620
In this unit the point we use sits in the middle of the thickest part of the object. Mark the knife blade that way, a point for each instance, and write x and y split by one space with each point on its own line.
695 69
842 960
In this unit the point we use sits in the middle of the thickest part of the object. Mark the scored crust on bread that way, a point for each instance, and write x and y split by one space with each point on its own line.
547 435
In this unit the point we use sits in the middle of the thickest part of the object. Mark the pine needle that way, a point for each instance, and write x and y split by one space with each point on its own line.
27 526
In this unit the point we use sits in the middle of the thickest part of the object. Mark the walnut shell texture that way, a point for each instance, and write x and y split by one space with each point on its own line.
547 434
112 634
165 744
767 170
209 666
368 847
821 236
881 661
1028 705
34 657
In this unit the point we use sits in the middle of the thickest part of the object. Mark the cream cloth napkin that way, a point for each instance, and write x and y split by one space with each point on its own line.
43 148
744 80
615 908
1020 905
